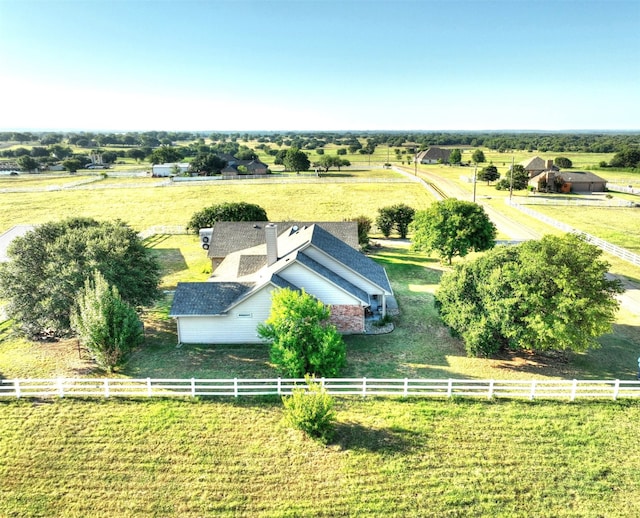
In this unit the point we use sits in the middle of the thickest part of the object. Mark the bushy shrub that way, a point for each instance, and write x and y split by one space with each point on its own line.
310 409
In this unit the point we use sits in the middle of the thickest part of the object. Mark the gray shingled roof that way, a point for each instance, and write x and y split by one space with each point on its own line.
356 261
333 277
207 298
434 153
232 236
580 177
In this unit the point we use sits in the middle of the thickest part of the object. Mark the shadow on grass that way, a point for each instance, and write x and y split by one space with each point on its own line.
171 260
354 436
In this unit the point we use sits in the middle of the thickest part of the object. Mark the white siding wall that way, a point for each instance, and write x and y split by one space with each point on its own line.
345 273
230 329
317 285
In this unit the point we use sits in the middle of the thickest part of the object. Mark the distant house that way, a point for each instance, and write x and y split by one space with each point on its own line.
536 165
253 167
229 306
434 155
168 169
568 181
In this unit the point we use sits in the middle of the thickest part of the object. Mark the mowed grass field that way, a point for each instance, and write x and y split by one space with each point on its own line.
143 207
389 457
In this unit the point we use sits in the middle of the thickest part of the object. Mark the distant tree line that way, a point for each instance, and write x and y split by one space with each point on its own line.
603 142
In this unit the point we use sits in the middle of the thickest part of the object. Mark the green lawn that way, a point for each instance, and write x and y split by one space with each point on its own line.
390 457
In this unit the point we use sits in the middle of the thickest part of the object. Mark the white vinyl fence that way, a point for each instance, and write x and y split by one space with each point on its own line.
610 248
403 387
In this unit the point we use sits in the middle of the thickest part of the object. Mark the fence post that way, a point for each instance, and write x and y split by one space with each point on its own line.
616 389
60 387
279 386
322 382
235 387
533 390
574 388
193 387
450 388
406 387
16 385
149 391
490 393
364 387
106 387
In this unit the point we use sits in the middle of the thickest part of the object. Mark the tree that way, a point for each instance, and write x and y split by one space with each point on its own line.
455 157
402 217
302 340
109 157
489 174
628 157
106 325
453 227
364 226
519 182
397 216
231 211
137 154
563 162
296 160
60 152
165 155
550 294
207 164
72 165
478 156
384 221
49 265
311 410
27 163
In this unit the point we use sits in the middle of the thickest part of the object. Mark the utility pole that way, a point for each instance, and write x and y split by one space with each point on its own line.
511 183
475 170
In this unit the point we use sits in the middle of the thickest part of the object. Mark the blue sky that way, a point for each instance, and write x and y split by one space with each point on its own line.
319 65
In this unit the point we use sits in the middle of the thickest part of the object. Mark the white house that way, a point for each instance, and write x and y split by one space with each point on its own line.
169 169
228 307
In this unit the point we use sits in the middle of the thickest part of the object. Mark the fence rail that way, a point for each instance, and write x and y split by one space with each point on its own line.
610 248
363 387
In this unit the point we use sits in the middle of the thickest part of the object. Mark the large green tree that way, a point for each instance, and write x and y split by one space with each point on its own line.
489 174
106 325
397 216
27 163
207 164
49 265
453 228
230 211
455 157
519 181
551 294
478 156
165 154
302 339
296 160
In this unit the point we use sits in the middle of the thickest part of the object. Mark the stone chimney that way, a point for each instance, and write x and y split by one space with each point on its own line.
549 165
271 238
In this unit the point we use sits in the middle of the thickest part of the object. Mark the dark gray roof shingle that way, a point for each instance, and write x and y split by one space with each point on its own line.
357 261
333 277
207 298
232 236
